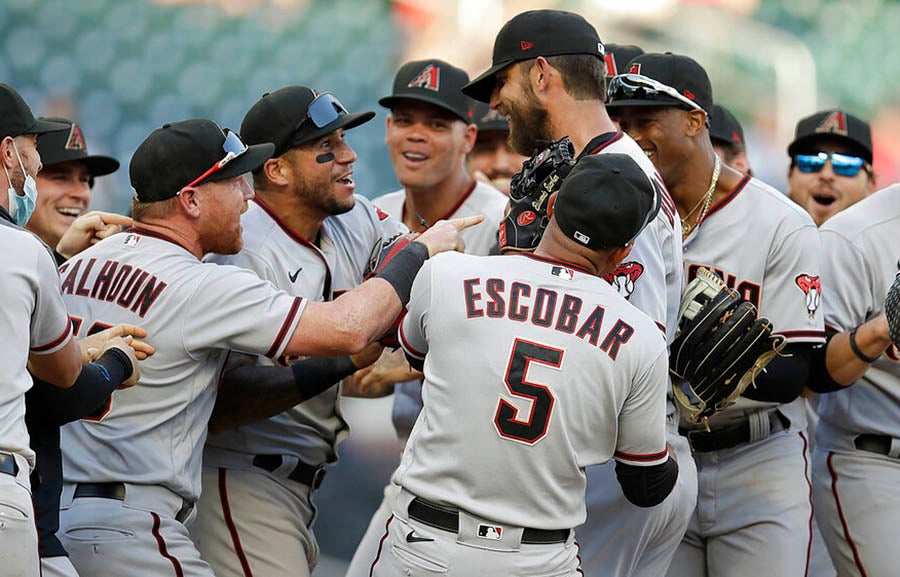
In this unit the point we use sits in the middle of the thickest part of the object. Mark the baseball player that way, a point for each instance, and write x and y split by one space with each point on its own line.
308 234
617 57
831 163
570 375
855 466
429 132
727 136
35 326
492 158
759 443
559 81
132 468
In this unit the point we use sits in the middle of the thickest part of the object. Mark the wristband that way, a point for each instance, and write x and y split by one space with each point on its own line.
401 270
855 348
316 374
115 365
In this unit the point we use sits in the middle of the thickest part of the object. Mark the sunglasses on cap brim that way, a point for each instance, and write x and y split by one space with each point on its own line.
233 147
842 164
634 86
323 110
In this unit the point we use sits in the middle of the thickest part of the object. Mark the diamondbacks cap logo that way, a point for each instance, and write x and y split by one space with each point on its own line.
836 122
610 64
812 288
623 278
76 139
429 78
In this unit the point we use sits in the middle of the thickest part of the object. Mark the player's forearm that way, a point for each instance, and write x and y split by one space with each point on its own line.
784 379
95 383
60 368
250 393
844 365
647 486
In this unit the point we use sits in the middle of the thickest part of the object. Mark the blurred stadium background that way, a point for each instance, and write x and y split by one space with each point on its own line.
124 67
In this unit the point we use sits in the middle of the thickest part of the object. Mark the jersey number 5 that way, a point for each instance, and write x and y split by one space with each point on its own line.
531 429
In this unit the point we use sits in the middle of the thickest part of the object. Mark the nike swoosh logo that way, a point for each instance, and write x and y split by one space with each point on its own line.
293 275
412 538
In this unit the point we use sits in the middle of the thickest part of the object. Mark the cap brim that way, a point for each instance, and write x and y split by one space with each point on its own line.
100 165
45 126
256 155
345 121
644 102
391 101
482 87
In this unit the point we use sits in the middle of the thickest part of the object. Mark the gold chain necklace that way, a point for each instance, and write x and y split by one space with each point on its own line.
705 200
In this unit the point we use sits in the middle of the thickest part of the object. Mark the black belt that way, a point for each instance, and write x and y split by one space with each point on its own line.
306 474
448 519
8 464
732 435
880 444
117 491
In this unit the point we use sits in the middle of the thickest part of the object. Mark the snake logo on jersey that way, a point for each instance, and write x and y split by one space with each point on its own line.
812 288
624 277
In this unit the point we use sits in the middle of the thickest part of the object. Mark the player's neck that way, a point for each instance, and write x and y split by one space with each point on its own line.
176 229
435 202
294 212
581 121
690 186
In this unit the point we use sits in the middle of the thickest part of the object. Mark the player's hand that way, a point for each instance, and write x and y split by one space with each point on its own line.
444 234
93 346
378 380
90 228
367 356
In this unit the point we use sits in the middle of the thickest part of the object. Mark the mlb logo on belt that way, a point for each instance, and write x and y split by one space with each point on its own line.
491 532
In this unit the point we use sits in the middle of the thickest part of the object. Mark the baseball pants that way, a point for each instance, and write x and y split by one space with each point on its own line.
857 499
620 539
139 535
361 564
410 548
754 511
57 567
820 564
252 523
18 532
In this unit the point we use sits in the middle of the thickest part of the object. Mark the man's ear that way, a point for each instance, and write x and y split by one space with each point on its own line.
189 202
276 171
696 121
7 153
470 135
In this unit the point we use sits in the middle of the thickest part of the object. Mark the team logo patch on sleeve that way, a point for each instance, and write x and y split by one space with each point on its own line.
812 288
624 277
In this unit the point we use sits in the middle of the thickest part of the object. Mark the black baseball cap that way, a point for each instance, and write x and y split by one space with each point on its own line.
295 115
532 34
834 124
16 117
66 146
489 120
618 56
435 82
678 72
725 127
605 201
178 153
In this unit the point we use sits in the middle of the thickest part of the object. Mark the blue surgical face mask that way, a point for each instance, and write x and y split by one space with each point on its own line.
21 207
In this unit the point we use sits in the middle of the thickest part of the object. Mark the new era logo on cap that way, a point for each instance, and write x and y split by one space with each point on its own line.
76 139
526 45
835 123
429 78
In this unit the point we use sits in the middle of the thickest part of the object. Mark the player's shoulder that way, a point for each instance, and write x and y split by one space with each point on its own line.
867 217
391 203
484 194
774 204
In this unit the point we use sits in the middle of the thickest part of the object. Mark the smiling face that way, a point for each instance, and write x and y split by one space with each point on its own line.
325 187
427 144
514 98
65 194
823 194
221 205
660 132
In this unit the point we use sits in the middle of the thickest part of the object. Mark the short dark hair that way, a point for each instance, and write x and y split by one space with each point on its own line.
583 75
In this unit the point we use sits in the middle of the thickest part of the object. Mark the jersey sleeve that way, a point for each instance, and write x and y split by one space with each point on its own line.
412 329
848 300
641 439
388 231
642 277
792 287
233 308
50 325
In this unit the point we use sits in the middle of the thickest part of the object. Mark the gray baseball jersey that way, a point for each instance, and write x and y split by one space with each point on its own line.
767 249
568 374
856 489
33 320
479 198
194 313
348 248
